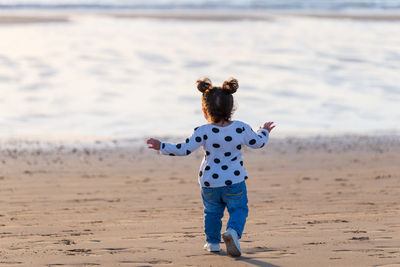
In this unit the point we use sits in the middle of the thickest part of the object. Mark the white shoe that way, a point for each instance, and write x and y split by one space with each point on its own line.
212 247
231 240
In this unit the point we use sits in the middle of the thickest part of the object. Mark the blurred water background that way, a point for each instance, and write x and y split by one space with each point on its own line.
193 4
110 76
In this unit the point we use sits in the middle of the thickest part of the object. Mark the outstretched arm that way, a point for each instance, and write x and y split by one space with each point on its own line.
181 149
259 139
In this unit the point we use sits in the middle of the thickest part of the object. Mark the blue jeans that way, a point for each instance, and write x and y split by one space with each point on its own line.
234 197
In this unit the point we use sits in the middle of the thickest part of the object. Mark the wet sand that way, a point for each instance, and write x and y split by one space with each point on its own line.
313 202
202 15
27 19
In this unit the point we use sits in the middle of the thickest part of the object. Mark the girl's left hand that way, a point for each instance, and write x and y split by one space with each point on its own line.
269 126
154 143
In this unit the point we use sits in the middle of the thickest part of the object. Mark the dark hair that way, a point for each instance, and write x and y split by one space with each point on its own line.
218 101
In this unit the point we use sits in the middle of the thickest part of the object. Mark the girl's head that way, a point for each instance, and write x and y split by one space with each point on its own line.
217 102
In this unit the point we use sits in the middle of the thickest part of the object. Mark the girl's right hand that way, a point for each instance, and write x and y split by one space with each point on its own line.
155 144
269 126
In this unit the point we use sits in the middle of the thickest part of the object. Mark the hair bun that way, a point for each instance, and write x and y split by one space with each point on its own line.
204 84
230 86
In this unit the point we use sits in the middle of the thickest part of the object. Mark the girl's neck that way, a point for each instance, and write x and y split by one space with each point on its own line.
222 123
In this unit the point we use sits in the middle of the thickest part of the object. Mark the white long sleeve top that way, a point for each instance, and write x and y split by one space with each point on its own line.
223 163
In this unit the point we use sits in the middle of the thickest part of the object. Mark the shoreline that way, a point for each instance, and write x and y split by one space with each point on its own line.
314 143
56 16
32 19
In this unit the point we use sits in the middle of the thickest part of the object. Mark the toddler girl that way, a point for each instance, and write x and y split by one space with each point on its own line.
222 174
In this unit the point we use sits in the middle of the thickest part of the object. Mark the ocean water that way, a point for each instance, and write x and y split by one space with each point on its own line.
196 4
112 77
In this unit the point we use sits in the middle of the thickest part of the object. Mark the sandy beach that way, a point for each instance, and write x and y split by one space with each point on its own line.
327 201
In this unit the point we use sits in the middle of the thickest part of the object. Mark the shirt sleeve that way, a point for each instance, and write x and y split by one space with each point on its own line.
185 148
255 140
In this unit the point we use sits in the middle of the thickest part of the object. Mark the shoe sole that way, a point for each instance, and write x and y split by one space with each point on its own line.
209 250
231 247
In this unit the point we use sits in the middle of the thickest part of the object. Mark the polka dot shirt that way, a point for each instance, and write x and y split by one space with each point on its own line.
223 162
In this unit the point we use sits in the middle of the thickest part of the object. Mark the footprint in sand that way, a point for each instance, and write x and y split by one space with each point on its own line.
148 262
361 238
76 264
67 242
114 249
356 231
78 251
315 243
327 221
155 249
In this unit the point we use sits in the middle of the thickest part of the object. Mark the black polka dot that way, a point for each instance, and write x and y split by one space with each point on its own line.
228 138
237 173
246 177
215 176
217 161
187 140
228 182
198 139
235 158
216 145
207 184
263 144
259 136
205 137
200 173
264 133
241 163
207 153
188 152
243 129
239 130
239 147
163 146
227 154
252 141
207 168
171 154
224 167
196 128
178 146
215 130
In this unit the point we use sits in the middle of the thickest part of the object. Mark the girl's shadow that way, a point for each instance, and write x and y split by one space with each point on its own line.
248 260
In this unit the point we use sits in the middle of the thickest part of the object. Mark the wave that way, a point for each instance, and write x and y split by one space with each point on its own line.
203 4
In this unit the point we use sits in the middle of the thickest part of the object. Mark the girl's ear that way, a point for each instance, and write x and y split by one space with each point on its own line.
230 86
205 113
204 84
